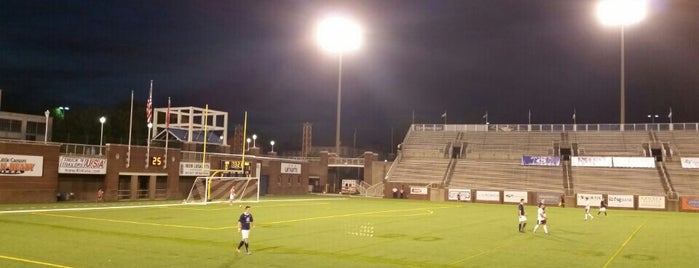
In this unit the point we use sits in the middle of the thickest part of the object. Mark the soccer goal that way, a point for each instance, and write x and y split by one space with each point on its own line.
217 190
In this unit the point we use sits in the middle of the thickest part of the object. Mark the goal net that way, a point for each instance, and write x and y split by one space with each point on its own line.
217 190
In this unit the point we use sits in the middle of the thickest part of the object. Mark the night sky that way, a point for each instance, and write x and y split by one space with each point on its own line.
465 57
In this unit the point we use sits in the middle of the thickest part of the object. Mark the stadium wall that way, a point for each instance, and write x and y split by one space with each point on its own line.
31 186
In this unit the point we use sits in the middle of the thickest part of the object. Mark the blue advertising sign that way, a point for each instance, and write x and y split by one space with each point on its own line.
530 160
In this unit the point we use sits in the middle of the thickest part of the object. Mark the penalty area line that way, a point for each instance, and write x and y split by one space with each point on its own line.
623 245
33 262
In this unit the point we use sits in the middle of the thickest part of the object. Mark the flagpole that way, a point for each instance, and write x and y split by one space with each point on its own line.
149 118
167 131
128 151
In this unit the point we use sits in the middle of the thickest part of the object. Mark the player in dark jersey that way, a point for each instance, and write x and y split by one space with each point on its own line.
522 216
245 223
602 207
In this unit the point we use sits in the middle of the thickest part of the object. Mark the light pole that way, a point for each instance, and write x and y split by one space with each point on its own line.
248 140
46 127
621 13
272 143
652 118
339 35
254 138
102 120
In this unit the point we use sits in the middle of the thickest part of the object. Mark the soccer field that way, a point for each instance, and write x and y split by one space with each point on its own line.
316 231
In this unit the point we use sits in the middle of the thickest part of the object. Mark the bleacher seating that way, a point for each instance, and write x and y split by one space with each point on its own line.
682 143
491 160
506 175
684 180
420 170
645 181
508 145
610 143
427 144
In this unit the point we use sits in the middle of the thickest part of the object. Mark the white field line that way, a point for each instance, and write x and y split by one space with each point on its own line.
150 206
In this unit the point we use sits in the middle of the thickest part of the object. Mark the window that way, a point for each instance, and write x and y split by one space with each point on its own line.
10 125
36 128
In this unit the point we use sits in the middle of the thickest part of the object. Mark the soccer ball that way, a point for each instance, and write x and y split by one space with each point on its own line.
240 206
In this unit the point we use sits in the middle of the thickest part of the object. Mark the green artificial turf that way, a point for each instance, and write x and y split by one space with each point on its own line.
311 231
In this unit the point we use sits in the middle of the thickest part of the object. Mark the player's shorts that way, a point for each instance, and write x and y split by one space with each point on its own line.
541 222
522 218
587 210
231 197
245 233
603 209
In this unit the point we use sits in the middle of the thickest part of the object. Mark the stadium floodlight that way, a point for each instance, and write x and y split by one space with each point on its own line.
254 138
248 140
272 144
339 35
621 13
102 120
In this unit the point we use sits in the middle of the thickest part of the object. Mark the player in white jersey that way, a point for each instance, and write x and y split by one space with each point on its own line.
541 219
587 208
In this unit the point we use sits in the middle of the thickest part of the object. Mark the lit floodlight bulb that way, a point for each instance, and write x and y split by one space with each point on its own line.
621 12
338 34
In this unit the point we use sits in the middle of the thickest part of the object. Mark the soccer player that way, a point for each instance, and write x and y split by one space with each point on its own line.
541 218
100 194
245 223
587 208
231 196
522 217
602 207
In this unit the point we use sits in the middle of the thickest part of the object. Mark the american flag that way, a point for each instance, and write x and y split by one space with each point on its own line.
149 105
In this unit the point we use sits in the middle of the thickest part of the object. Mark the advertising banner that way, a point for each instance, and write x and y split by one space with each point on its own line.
530 160
194 169
459 194
690 162
654 202
288 168
514 196
633 162
689 203
594 199
422 190
488 196
591 161
21 165
82 165
620 201
550 199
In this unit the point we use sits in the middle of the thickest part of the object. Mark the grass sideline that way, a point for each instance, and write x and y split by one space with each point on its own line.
316 231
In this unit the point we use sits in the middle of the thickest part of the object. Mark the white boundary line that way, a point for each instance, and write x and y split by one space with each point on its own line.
151 206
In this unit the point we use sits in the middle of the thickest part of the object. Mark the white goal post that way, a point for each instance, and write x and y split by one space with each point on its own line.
216 189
